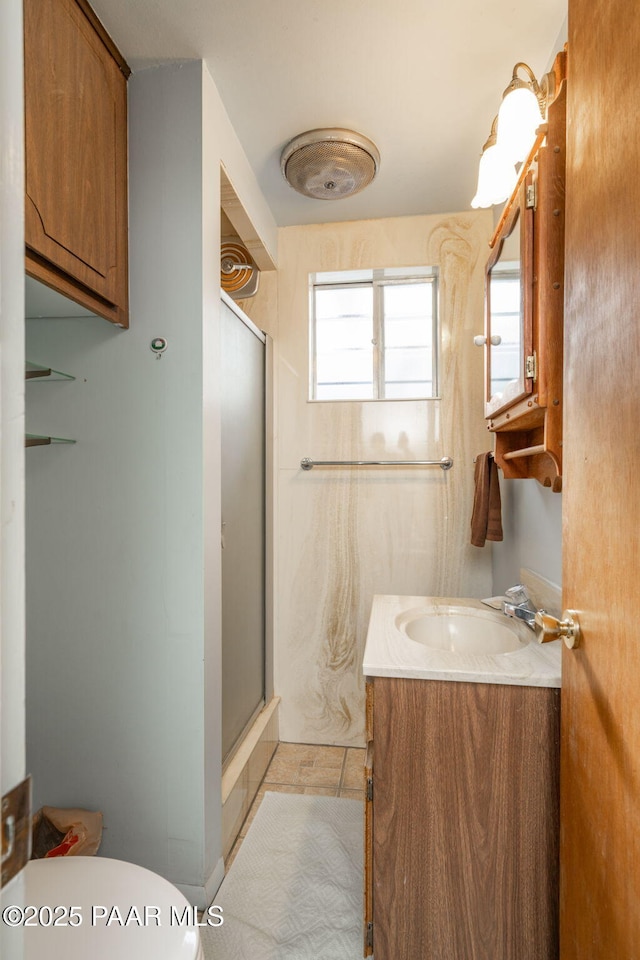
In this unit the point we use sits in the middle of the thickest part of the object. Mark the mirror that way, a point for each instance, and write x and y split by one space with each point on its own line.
508 307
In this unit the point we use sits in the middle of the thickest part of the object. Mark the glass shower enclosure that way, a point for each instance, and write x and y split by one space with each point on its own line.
243 524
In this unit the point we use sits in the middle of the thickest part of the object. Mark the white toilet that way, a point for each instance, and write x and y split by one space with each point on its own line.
121 911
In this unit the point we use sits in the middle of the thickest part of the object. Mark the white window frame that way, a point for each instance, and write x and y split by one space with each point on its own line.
377 280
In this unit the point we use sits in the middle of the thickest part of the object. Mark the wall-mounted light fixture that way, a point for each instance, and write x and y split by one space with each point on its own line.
513 132
497 174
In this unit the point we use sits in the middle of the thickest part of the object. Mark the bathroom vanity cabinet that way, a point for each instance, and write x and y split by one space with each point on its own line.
76 157
461 846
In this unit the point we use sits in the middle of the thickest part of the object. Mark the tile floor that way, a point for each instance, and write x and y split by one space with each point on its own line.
301 768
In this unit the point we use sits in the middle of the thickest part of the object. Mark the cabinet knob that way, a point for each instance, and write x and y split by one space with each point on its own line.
495 340
550 628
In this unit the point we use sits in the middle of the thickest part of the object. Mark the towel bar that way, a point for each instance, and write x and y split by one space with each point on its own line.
445 463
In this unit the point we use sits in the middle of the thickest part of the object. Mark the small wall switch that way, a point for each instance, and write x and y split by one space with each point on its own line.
16 830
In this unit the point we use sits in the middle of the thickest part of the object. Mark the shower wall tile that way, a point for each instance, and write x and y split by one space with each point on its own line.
342 534
262 308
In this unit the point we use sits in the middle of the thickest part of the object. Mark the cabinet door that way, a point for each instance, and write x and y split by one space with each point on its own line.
76 156
465 835
509 307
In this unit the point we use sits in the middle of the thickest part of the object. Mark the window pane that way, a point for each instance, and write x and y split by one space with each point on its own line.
344 348
344 366
407 300
506 322
344 391
505 293
343 333
408 335
343 302
407 363
505 367
398 332
409 390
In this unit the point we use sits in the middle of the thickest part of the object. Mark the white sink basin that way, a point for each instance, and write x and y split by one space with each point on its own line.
455 638
461 630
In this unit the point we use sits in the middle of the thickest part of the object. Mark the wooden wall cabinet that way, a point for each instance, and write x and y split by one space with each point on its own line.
76 157
527 418
462 834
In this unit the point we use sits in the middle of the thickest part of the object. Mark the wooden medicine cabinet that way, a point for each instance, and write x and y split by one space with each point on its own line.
524 298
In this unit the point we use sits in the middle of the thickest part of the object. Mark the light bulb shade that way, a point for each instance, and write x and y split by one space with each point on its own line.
496 178
518 119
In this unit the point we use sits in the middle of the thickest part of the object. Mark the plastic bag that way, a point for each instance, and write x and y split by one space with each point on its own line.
60 833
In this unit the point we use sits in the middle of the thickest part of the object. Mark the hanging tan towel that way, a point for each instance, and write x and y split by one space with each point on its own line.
486 520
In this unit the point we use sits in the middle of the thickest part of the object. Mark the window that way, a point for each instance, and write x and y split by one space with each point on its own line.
374 334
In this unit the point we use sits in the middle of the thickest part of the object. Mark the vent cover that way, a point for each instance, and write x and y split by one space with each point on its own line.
238 273
329 164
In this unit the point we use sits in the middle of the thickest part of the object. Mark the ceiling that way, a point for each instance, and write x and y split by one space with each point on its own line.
421 78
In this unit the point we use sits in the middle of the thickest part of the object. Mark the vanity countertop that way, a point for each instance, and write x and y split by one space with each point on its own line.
390 653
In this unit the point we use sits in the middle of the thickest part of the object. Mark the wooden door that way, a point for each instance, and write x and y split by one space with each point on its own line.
76 154
600 767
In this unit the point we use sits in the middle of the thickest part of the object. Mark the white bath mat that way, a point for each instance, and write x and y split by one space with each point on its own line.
294 890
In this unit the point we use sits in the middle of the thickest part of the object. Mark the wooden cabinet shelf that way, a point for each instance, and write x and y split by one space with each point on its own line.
528 444
526 452
76 157
34 371
35 440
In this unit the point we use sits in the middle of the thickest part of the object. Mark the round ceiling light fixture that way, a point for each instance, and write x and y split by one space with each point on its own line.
329 163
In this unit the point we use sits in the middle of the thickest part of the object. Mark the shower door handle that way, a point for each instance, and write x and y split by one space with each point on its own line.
222 544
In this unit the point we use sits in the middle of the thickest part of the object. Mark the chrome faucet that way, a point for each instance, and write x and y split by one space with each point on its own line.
520 606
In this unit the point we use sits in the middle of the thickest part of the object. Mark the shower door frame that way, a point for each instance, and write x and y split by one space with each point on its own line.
268 516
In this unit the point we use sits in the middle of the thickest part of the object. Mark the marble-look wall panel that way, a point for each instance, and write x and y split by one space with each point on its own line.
262 307
343 534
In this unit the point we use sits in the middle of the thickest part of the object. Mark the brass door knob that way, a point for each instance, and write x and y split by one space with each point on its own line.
550 628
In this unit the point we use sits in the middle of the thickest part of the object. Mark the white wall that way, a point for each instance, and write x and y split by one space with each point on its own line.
123 529
115 640
12 723
532 526
12 684
344 535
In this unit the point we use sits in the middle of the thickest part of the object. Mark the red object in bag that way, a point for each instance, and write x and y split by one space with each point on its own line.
61 833
63 848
